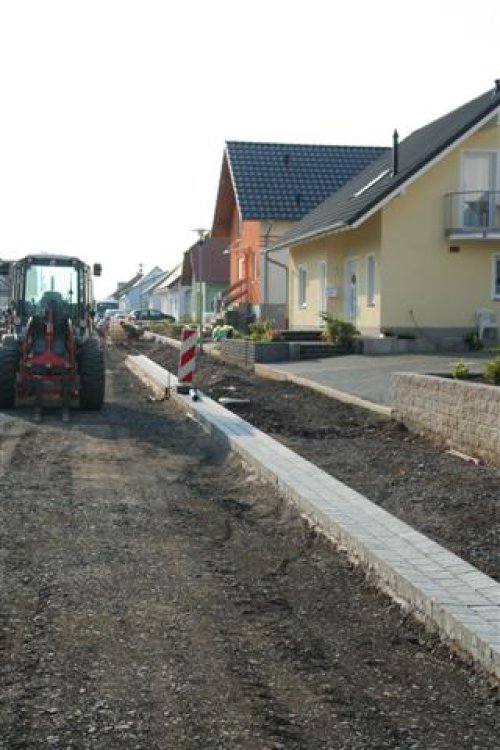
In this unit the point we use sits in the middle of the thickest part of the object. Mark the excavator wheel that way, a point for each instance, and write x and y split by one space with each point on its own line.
9 358
92 377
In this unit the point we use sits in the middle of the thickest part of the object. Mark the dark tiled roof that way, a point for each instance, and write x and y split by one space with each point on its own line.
344 208
286 181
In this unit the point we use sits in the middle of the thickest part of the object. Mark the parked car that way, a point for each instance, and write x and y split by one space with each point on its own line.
150 315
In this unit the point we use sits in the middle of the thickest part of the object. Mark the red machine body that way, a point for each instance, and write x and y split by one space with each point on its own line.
51 352
43 373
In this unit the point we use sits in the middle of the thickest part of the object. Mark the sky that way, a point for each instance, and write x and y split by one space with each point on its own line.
114 113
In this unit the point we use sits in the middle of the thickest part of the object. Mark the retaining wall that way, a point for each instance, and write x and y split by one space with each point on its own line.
392 345
246 353
461 415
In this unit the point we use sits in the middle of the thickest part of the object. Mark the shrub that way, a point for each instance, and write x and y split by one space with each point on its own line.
166 328
264 330
339 331
460 371
491 371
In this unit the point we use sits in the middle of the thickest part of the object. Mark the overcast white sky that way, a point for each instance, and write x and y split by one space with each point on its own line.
114 113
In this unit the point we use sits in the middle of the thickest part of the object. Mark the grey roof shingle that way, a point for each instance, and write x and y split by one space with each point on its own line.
126 285
156 281
348 205
286 181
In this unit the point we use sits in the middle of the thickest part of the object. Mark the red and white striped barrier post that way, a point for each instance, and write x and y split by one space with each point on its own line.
187 359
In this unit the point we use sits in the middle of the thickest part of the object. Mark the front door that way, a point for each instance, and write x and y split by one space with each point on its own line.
351 290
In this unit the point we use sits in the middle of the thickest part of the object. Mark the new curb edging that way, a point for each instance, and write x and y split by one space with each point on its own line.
462 603
269 372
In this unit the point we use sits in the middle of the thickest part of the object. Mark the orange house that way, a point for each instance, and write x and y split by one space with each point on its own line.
264 189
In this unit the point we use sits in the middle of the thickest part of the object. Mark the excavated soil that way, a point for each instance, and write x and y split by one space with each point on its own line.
157 596
455 503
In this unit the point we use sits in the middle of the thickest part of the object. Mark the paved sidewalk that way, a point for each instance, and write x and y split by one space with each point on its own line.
463 603
369 377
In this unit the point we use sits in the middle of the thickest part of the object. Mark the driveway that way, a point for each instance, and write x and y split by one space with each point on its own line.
369 378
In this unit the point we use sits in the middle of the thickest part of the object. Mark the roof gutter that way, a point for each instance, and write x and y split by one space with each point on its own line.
339 226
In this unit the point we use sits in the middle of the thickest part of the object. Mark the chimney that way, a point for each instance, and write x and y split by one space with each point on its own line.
497 85
395 153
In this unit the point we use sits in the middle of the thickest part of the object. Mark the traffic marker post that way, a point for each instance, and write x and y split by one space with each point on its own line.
187 360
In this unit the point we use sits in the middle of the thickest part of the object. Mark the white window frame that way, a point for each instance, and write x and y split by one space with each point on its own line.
302 286
371 283
322 284
494 183
471 152
495 261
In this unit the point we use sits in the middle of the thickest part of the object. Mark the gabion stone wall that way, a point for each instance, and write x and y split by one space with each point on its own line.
459 414
238 352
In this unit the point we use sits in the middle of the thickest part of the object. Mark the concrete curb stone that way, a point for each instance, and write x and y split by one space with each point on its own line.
266 371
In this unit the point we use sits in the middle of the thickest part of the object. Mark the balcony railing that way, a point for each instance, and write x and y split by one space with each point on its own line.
473 213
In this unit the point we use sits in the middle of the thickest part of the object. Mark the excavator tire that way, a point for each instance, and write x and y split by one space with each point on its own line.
92 377
9 357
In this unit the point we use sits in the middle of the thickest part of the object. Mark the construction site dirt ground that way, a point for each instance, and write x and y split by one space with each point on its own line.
155 594
455 503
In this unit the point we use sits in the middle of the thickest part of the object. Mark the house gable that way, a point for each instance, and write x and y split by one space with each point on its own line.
226 212
429 276
273 181
428 283
264 186
372 188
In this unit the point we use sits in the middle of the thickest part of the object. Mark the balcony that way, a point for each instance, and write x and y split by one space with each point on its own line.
473 215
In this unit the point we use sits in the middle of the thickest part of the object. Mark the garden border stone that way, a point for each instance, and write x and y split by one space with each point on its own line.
462 415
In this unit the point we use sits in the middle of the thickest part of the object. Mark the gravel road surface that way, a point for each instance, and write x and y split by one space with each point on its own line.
156 595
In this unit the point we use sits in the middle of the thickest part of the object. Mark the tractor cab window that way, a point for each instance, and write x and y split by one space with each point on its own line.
51 286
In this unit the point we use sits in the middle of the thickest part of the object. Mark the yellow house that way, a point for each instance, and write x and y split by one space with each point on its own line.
412 244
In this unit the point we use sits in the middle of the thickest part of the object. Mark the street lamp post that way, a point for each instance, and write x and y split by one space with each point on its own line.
202 236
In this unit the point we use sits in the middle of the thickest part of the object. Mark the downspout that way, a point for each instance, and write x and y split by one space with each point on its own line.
266 268
285 267
267 260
